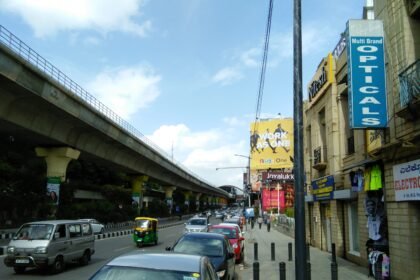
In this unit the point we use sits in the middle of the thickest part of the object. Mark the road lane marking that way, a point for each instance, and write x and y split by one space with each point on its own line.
123 248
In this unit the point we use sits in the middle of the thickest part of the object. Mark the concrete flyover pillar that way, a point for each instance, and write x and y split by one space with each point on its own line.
137 185
197 201
169 191
57 160
209 201
187 196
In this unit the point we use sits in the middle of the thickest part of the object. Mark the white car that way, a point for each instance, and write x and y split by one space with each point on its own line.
197 225
97 227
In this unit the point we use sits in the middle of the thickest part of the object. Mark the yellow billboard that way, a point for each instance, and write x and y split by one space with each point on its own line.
272 144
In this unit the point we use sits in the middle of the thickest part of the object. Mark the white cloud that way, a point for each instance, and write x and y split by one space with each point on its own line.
47 17
201 152
251 57
227 76
234 121
126 90
180 138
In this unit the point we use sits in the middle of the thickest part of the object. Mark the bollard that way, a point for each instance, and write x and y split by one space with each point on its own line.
273 253
308 252
282 268
256 270
378 270
334 257
334 271
308 271
290 252
256 251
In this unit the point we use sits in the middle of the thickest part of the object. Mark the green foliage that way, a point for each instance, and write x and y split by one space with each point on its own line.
290 212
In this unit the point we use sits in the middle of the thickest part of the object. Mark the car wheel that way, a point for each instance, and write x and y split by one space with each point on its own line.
84 260
19 269
58 265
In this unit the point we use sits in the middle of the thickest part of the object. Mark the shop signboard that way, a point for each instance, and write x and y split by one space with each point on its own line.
323 188
407 180
278 176
366 74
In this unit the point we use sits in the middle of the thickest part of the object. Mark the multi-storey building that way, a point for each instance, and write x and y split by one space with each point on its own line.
363 191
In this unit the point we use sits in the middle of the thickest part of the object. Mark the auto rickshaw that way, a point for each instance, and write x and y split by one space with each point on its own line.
145 231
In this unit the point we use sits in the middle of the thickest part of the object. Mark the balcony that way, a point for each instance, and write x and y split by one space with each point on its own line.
320 158
410 92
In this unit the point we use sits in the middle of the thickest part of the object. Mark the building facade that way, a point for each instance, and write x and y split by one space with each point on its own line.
363 185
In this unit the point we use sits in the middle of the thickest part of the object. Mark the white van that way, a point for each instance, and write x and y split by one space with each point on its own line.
50 244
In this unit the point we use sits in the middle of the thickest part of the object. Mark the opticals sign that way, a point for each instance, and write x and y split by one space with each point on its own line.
366 74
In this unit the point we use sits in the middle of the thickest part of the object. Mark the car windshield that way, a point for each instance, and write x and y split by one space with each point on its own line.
197 222
34 232
134 273
229 232
209 247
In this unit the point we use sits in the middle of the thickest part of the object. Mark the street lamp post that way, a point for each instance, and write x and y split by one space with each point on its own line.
248 183
300 244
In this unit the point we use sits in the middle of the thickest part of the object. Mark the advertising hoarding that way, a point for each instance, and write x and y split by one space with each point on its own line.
272 199
366 74
272 144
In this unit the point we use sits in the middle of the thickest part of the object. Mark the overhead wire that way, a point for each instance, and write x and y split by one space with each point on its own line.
263 69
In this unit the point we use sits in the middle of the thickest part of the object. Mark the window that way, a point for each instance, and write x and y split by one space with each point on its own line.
61 230
75 230
354 228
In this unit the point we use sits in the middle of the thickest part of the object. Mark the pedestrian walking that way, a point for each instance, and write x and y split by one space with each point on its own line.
259 221
268 224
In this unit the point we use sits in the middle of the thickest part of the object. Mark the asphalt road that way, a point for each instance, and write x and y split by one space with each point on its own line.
106 249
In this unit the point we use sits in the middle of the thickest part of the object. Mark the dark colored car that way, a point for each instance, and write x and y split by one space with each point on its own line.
235 238
146 266
213 245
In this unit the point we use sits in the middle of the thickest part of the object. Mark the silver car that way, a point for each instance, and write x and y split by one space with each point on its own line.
50 244
197 225
145 266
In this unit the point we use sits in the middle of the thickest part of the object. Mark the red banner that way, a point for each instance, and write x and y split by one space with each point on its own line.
272 199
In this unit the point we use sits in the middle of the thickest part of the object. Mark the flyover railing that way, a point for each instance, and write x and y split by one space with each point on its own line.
16 45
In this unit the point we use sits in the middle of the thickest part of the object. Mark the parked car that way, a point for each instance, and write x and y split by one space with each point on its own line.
234 220
145 266
197 224
213 245
235 237
97 227
50 244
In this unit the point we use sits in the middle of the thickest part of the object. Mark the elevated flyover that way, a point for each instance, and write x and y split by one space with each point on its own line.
42 105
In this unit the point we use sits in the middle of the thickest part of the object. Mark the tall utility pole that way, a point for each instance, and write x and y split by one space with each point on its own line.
301 272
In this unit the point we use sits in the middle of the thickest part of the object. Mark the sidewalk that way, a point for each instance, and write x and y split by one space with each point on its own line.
320 260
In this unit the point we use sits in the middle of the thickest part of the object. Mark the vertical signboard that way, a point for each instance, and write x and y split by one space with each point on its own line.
366 74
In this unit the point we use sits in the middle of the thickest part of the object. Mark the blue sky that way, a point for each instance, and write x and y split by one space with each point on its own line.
185 73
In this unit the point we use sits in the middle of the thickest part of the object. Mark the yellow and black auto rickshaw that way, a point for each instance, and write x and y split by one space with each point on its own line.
145 231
